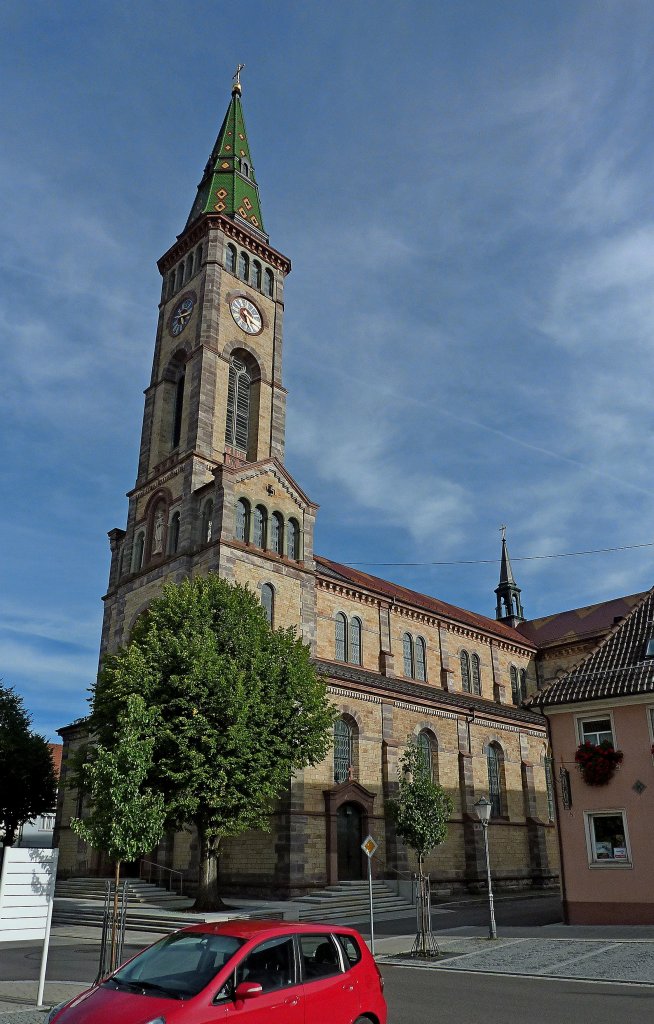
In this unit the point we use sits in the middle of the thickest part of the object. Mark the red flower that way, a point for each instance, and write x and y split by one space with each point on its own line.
597 762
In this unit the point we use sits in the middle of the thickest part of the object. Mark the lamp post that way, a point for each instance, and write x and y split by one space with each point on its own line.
483 809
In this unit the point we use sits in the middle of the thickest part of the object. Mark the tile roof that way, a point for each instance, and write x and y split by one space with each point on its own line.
577 623
421 691
616 668
345 574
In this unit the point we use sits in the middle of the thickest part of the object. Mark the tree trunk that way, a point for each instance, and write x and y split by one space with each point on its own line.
114 920
207 896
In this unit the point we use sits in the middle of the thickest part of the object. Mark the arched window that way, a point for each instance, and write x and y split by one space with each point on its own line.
340 637
549 785
515 685
268 602
180 274
207 522
173 534
189 267
260 523
178 410
421 659
407 652
243 266
171 284
230 259
475 665
255 277
465 671
270 283
494 759
293 539
355 641
426 752
245 168
198 258
523 684
238 406
242 520
343 750
277 533
139 550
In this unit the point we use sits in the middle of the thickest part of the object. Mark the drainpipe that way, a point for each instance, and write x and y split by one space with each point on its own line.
558 818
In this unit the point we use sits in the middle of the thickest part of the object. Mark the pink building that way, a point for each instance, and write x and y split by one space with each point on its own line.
606 831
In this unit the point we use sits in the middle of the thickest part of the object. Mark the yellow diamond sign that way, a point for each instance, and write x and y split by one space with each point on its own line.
368 846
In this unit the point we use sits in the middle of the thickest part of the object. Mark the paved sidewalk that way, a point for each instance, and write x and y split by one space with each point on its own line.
605 958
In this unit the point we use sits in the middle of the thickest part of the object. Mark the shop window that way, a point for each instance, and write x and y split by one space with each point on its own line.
606 834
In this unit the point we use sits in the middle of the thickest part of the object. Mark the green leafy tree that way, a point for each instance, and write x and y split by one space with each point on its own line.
126 817
237 708
422 808
28 783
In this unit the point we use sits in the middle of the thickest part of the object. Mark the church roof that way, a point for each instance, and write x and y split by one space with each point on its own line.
228 184
620 665
578 623
395 592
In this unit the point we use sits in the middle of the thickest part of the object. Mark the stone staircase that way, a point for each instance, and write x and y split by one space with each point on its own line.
80 901
349 901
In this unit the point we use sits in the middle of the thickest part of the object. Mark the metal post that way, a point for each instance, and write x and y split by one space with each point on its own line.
372 921
44 955
492 932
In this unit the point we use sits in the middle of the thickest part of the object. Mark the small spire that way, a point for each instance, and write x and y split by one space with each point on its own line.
509 605
236 77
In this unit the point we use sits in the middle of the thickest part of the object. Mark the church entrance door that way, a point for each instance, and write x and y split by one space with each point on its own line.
349 831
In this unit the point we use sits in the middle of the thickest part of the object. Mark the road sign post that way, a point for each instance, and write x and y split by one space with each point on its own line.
369 846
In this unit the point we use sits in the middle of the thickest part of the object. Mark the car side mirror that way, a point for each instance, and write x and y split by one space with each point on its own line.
247 990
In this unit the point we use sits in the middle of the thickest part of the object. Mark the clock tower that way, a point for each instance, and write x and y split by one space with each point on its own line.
212 492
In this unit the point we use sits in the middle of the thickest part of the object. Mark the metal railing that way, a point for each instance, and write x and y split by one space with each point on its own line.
172 879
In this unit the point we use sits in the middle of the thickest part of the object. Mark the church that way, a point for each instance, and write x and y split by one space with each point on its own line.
212 494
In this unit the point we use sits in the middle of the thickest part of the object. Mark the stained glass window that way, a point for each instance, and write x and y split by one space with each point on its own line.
476 674
426 751
268 602
355 641
342 750
420 659
465 671
494 780
407 650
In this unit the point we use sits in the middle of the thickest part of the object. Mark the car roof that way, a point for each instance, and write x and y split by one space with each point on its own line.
250 929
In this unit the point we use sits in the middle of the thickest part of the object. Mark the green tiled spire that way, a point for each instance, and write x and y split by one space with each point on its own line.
228 184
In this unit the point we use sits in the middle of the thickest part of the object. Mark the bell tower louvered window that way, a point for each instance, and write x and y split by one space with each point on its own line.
238 406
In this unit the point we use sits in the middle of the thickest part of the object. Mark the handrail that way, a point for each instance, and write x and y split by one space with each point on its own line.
172 873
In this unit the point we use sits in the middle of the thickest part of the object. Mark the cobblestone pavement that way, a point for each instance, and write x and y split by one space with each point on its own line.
588 959
18 998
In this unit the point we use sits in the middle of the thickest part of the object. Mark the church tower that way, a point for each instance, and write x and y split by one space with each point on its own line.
211 492
509 605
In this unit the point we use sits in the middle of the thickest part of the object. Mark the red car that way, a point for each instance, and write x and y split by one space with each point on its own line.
239 971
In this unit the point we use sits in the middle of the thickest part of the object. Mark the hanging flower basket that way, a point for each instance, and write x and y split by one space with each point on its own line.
597 762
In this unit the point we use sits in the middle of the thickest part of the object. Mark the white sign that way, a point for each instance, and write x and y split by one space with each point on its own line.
368 846
26 893
27 889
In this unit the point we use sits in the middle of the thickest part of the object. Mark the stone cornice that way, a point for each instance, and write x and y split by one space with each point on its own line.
216 222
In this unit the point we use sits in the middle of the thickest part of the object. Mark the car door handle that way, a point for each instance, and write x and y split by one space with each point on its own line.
291 1002
348 988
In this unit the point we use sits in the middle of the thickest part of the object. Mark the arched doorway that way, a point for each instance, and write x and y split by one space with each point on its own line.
349 836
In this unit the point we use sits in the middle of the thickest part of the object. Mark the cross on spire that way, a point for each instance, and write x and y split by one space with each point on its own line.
503 531
236 78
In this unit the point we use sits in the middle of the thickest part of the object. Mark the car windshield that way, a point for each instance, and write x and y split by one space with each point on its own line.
178 967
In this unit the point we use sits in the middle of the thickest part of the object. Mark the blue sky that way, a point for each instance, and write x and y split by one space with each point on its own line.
465 190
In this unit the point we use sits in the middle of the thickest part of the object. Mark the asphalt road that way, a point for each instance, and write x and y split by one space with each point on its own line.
421 996
532 912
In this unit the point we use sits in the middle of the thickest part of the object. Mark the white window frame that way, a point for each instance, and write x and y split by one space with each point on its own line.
650 721
597 716
590 839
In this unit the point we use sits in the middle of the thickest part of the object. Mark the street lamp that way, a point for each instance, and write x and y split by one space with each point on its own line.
483 809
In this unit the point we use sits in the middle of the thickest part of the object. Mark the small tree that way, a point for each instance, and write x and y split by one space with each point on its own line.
126 817
421 812
28 783
237 708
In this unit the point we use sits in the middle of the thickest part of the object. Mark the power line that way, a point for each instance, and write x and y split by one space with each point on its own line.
516 558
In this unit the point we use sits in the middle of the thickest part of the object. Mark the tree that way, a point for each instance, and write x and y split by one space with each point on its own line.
421 812
126 817
29 782
237 707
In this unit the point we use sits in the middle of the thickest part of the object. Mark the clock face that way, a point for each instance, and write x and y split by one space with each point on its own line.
246 315
181 315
